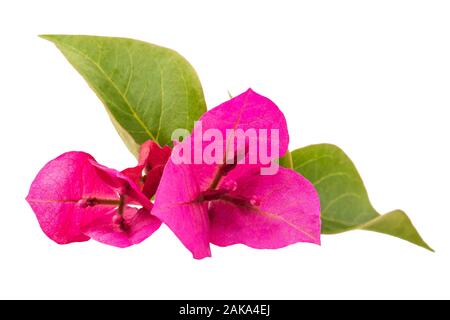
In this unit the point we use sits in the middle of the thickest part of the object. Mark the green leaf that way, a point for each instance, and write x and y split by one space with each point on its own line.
148 90
343 197
286 160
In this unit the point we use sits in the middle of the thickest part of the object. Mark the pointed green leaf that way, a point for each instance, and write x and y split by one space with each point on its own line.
344 201
148 90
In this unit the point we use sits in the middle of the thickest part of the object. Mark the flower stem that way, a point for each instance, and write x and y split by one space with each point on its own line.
108 201
121 205
218 176
91 202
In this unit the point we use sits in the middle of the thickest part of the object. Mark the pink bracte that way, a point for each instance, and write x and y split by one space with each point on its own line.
228 204
75 198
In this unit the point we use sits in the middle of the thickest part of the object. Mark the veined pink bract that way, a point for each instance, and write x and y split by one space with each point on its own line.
231 203
75 198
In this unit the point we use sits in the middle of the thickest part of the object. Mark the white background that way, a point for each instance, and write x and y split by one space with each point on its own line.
370 76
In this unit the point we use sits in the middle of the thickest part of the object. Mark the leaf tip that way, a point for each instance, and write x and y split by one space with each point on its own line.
427 247
419 241
397 223
49 37
46 36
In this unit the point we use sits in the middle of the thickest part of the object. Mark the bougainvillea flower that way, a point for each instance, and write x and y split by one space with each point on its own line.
75 199
232 202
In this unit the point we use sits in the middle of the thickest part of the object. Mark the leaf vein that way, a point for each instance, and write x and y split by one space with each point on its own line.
311 161
128 104
342 196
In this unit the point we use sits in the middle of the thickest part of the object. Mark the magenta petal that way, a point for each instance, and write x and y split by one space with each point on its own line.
152 179
248 110
123 183
106 227
287 211
56 191
180 201
153 158
151 154
134 173
175 207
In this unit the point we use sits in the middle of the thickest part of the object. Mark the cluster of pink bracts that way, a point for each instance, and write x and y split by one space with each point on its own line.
76 199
